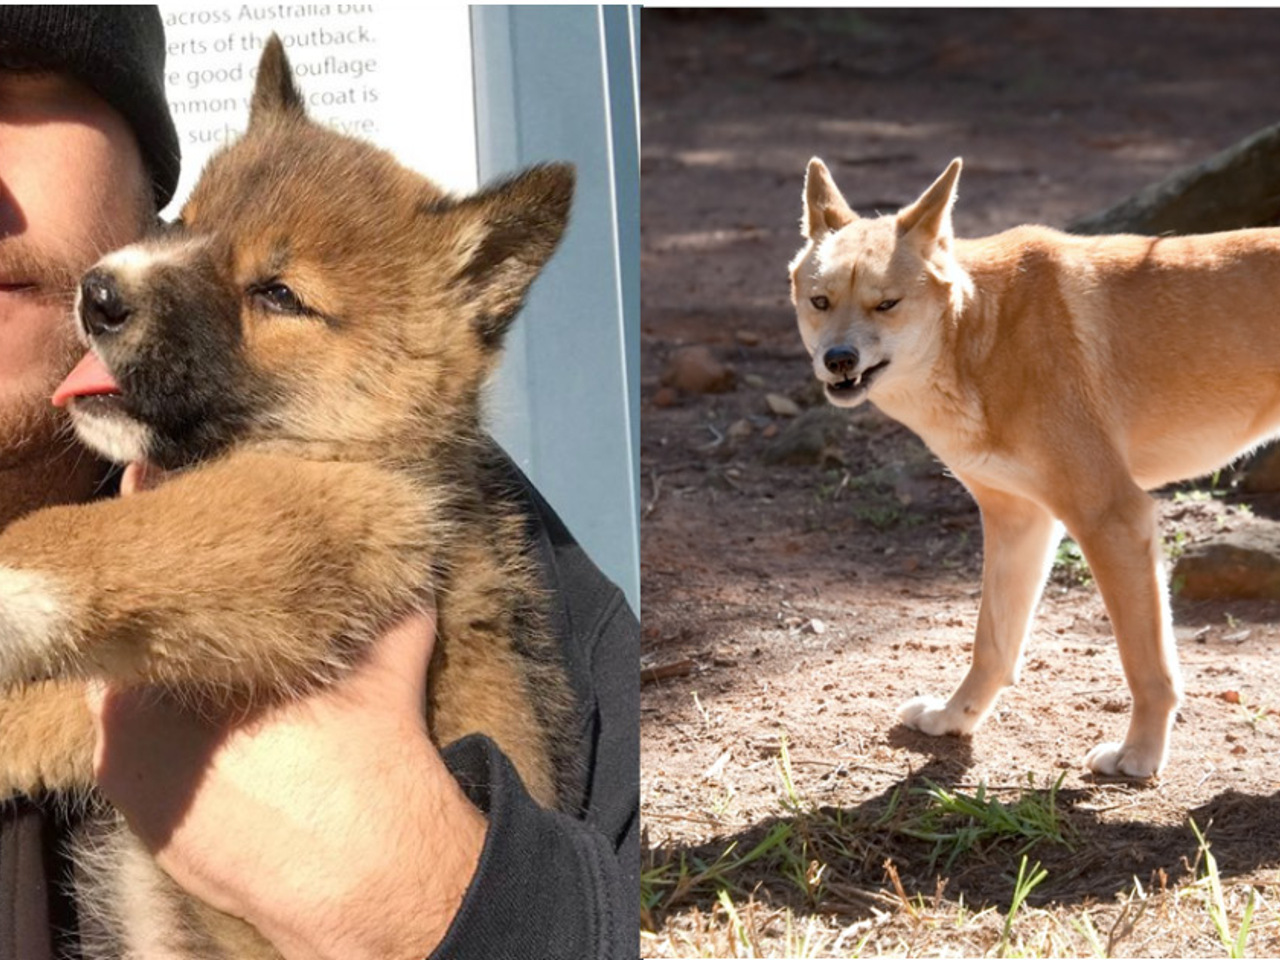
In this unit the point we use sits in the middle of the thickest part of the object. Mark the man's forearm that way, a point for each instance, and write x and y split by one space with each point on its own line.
412 845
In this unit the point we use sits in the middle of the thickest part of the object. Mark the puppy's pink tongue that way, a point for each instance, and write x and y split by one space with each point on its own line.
89 378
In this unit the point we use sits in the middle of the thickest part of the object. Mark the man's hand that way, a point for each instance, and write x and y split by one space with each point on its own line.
331 824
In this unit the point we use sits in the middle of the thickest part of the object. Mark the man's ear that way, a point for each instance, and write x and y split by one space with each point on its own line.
928 220
274 92
824 208
509 231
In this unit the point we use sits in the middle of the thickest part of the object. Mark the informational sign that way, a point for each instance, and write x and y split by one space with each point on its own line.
397 75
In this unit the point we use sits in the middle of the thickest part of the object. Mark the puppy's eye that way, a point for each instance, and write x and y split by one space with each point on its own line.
885 305
820 303
275 297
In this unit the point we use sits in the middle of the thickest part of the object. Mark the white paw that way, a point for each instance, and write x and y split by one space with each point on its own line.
1120 760
33 618
936 717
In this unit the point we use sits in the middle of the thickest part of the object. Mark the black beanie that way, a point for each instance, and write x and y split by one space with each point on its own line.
118 51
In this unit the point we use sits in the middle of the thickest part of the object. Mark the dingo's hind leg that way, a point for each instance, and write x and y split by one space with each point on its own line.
1122 544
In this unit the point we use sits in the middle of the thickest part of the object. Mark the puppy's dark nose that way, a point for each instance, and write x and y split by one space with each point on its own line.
102 308
841 361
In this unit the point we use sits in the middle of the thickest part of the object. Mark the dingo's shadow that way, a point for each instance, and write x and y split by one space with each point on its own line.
952 756
1096 859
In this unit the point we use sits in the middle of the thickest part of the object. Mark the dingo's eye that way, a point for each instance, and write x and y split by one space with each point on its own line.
277 298
885 305
820 303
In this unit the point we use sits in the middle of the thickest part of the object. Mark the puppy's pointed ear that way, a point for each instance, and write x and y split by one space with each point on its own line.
824 208
509 231
929 218
274 92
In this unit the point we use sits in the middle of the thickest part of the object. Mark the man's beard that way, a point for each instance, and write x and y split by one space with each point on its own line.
41 462
30 425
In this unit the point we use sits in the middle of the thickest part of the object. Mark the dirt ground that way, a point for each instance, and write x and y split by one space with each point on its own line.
797 606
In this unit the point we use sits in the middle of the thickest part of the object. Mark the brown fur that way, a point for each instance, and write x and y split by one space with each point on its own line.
1059 378
336 476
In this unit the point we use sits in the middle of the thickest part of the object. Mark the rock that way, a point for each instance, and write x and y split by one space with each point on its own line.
697 370
748 338
782 406
754 380
666 397
1263 473
770 431
1242 564
807 441
739 430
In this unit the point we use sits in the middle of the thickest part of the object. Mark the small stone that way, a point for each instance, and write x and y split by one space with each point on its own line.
815 626
754 380
770 431
666 397
782 406
740 430
697 370
748 338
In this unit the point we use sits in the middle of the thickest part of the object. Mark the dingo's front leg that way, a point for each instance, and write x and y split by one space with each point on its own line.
47 734
1122 546
253 575
1018 541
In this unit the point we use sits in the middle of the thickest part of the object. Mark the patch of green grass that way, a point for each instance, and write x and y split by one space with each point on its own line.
1069 563
1253 716
835 484
736 925
957 822
1176 545
791 796
881 516
1022 887
1199 496
1211 884
878 504
1084 926
666 884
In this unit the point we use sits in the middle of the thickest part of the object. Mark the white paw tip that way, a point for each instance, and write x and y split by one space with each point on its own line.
1115 760
932 716
909 713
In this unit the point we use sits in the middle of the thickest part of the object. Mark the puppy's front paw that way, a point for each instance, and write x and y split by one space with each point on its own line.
936 717
34 617
1121 760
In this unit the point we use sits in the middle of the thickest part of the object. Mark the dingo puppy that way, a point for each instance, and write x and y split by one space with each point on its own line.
305 351
1059 377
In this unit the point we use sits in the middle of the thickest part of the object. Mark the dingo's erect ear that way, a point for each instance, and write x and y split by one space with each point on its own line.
274 91
824 208
930 216
510 231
